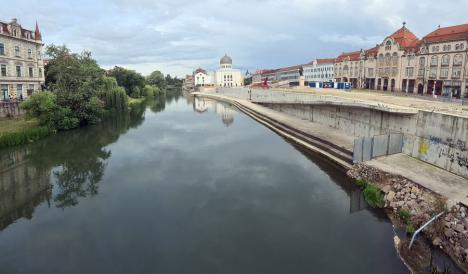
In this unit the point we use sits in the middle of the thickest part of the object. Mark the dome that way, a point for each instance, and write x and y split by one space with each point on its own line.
226 60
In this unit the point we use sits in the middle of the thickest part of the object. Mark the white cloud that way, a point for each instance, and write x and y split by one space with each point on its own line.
176 36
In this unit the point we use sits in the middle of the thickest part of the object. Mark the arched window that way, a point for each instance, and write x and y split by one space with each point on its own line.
422 61
434 61
388 45
381 59
458 60
395 59
388 58
445 60
345 69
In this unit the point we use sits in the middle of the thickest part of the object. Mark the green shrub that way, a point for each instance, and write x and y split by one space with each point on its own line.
374 197
149 91
410 229
136 92
361 183
404 215
25 136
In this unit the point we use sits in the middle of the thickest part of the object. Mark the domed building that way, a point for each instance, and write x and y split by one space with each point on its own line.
226 76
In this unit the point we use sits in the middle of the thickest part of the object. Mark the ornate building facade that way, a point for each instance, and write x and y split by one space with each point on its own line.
433 65
226 75
21 62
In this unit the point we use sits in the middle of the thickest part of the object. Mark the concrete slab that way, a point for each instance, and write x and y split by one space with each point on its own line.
447 184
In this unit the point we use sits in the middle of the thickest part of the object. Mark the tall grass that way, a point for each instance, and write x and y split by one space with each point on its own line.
24 136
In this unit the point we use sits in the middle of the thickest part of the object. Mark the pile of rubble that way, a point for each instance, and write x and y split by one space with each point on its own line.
449 233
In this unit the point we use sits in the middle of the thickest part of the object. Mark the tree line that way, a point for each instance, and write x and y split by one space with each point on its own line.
79 92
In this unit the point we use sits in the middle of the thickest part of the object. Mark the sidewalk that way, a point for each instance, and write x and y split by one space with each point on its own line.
395 98
449 185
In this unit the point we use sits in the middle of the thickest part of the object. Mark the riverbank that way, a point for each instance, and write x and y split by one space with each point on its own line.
404 198
410 205
21 130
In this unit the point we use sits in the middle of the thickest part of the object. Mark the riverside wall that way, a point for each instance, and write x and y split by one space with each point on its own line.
436 138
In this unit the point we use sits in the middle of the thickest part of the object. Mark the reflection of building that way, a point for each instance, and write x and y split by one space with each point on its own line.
21 64
22 187
189 83
226 112
200 105
226 76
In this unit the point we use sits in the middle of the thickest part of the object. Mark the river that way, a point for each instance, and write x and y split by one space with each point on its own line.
183 186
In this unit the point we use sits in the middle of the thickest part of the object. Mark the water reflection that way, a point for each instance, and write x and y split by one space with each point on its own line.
226 111
65 167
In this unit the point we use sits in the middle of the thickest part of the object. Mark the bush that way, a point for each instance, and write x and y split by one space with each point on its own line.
114 97
43 105
23 137
374 197
361 183
404 215
136 92
410 229
149 91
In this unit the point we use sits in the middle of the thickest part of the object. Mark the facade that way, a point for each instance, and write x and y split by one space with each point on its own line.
21 64
433 65
226 75
202 78
320 70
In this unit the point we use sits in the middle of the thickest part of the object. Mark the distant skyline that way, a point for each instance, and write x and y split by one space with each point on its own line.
178 36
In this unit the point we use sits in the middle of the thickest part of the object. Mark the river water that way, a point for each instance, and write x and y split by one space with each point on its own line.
183 186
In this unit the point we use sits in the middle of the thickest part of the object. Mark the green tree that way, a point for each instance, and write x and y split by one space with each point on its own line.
129 79
156 78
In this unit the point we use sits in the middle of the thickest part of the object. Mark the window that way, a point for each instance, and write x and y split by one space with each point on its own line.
444 71
31 72
18 71
14 33
422 62
2 49
395 59
17 51
434 61
457 46
458 60
3 70
446 60
30 53
462 46
19 91
388 58
40 73
456 72
381 59
370 72
433 72
394 72
388 45
435 48
410 72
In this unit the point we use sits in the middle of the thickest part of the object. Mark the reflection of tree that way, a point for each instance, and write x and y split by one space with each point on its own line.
78 157
157 104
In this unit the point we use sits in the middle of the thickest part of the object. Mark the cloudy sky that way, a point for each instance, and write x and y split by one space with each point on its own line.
177 36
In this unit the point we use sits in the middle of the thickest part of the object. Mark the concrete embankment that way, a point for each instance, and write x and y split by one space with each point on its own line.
420 196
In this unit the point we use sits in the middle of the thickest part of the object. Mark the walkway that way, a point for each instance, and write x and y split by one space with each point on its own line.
449 185
392 98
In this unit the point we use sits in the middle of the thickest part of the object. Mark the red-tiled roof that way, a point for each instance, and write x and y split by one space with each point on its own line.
404 37
372 51
325 61
295 67
453 33
199 70
353 56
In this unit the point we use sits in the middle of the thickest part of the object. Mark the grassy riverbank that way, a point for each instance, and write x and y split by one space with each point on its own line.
19 131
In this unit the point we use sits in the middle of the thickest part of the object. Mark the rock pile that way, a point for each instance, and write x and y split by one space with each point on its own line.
449 233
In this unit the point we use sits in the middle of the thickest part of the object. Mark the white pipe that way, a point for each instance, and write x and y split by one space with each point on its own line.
424 226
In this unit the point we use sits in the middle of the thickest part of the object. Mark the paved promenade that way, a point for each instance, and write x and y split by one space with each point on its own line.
394 98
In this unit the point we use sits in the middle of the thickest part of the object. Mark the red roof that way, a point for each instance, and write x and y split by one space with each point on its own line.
452 33
353 56
404 37
199 70
372 51
325 61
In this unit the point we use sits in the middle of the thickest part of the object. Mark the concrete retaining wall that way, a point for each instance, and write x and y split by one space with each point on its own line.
437 138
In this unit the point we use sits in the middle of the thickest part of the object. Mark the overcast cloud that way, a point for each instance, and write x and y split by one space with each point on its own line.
177 36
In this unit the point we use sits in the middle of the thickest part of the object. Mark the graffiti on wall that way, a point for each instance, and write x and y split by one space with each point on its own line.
452 150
